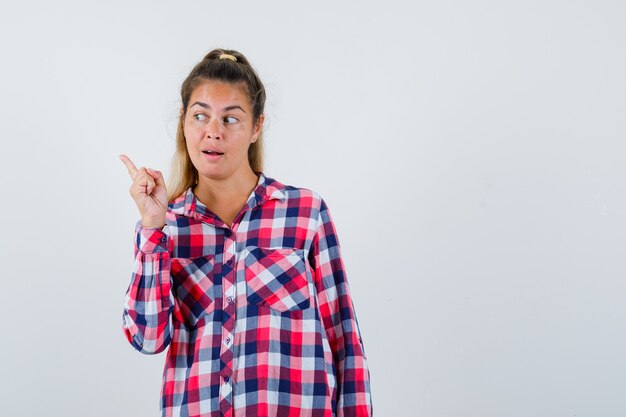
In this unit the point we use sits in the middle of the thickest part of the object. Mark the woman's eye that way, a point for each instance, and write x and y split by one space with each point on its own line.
199 116
230 119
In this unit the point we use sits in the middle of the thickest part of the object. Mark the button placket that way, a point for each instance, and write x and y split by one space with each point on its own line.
228 323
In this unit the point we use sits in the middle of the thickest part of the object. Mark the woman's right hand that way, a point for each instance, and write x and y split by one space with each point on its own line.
148 191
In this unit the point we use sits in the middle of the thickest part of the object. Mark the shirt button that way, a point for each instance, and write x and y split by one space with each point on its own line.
229 299
227 340
229 262
164 239
226 378
227 232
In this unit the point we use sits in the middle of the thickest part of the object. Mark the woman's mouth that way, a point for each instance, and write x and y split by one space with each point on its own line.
212 155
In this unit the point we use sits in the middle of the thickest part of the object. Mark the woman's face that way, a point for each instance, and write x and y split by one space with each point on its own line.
219 128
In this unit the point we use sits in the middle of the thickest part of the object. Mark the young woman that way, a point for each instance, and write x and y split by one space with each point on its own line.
238 274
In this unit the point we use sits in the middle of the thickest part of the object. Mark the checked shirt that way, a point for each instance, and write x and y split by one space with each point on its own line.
257 317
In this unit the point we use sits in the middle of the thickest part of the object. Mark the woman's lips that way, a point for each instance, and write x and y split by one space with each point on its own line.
212 156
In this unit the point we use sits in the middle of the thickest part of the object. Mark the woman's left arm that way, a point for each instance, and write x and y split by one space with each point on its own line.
339 319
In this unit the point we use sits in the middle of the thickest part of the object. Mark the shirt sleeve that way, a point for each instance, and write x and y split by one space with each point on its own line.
149 301
340 322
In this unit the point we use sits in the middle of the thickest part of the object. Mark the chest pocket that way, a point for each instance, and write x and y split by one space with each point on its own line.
194 287
277 278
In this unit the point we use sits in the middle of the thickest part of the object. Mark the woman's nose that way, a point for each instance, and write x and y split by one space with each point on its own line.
214 129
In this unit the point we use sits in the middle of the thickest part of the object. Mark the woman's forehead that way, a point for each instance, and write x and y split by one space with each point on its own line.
219 90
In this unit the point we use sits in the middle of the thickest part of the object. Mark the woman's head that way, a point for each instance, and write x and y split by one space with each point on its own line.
222 106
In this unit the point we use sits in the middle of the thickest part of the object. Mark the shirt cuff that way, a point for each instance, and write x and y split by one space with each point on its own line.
151 239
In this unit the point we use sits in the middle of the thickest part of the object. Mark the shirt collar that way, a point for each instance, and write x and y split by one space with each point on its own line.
266 189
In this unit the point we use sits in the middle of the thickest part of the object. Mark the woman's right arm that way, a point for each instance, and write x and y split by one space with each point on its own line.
149 301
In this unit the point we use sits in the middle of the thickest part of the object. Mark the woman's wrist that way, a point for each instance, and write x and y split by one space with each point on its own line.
152 224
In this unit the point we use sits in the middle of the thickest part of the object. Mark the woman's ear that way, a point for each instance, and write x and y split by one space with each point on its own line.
181 117
258 127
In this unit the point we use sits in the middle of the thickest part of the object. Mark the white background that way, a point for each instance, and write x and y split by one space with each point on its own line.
472 155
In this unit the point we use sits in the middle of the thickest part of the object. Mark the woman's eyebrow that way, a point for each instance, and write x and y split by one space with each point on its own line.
227 108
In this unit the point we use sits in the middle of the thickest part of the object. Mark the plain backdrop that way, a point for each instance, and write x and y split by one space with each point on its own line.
472 154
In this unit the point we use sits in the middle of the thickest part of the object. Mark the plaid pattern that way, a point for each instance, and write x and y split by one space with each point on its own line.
258 318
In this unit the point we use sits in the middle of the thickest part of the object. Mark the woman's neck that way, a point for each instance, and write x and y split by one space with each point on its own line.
215 193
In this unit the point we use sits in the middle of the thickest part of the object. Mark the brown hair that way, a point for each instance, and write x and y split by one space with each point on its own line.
183 174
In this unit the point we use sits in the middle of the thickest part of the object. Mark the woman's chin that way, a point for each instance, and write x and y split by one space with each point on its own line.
213 173
220 170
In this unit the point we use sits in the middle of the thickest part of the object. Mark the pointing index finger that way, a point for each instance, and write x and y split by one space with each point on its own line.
132 169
